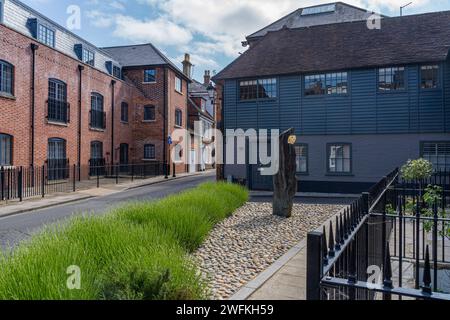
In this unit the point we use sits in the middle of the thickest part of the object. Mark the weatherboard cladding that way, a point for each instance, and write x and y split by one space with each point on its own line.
363 110
350 45
18 16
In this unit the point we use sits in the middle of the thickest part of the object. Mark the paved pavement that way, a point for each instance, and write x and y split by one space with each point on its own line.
16 228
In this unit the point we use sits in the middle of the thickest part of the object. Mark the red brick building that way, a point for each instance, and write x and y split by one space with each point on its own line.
63 99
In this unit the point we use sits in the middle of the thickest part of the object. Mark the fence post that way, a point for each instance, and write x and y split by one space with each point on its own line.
43 181
167 170
174 172
98 175
117 173
74 177
435 245
314 265
132 173
20 184
2 180
365 203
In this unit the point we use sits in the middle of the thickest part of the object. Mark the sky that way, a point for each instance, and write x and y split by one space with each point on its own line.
210 30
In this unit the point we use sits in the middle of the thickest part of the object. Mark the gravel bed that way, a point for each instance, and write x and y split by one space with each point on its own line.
242 246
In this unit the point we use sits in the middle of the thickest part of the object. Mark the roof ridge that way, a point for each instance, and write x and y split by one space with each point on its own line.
359 21
128 46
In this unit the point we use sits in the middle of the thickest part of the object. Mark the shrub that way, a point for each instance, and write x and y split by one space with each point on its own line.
419 169
139 251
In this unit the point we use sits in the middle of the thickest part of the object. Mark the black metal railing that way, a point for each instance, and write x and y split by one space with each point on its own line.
363 254
58 111
97 119
57 176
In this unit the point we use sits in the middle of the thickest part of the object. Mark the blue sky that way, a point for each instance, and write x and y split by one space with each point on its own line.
210 30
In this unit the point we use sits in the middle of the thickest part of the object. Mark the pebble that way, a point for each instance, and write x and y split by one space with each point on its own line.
241 247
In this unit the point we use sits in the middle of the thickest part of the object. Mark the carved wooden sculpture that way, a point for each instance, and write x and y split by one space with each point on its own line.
285 181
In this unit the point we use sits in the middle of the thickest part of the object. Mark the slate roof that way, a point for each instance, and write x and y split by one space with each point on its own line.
343 13
401 40
197 87
140 55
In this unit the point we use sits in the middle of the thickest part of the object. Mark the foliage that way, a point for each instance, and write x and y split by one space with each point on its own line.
138 251
419 169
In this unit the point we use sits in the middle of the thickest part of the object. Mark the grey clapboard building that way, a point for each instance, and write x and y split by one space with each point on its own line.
362 101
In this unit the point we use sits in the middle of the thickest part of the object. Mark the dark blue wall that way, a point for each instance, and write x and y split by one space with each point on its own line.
363 110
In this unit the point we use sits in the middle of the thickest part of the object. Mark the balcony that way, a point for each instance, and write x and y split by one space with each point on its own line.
58 111
97 120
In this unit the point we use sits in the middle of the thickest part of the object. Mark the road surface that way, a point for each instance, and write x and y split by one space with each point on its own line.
14 229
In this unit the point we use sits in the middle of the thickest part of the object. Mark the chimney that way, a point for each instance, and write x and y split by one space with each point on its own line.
207 78
187 65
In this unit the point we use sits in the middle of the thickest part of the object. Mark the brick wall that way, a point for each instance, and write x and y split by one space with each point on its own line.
15 114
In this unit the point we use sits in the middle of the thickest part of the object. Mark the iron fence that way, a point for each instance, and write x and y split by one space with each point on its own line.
19 183
374 250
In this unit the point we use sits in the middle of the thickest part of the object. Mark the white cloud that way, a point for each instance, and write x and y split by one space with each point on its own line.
160 31
226 23
100 19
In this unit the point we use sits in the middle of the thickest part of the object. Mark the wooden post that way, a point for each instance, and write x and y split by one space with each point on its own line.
285 181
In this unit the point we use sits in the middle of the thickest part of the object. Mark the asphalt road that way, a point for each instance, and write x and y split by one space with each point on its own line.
17 228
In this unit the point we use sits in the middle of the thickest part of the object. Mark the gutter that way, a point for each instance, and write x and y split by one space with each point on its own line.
34 48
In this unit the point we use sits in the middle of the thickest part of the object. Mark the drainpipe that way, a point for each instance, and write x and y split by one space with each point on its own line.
165 124
222 127
34 47
80 69
113 82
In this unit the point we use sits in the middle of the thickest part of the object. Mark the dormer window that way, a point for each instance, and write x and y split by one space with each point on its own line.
114 69
46 35
85 54
117 72
42 32
88 57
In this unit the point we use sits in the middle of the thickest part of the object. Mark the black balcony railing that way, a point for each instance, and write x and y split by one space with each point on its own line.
58 111
97 119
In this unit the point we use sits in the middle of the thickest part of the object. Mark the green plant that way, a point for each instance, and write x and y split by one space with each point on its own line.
419 169
139 251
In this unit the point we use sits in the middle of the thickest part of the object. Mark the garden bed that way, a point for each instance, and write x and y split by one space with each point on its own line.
242 246
139 251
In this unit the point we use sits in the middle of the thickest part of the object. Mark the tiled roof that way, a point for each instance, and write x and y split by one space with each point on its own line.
401 40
